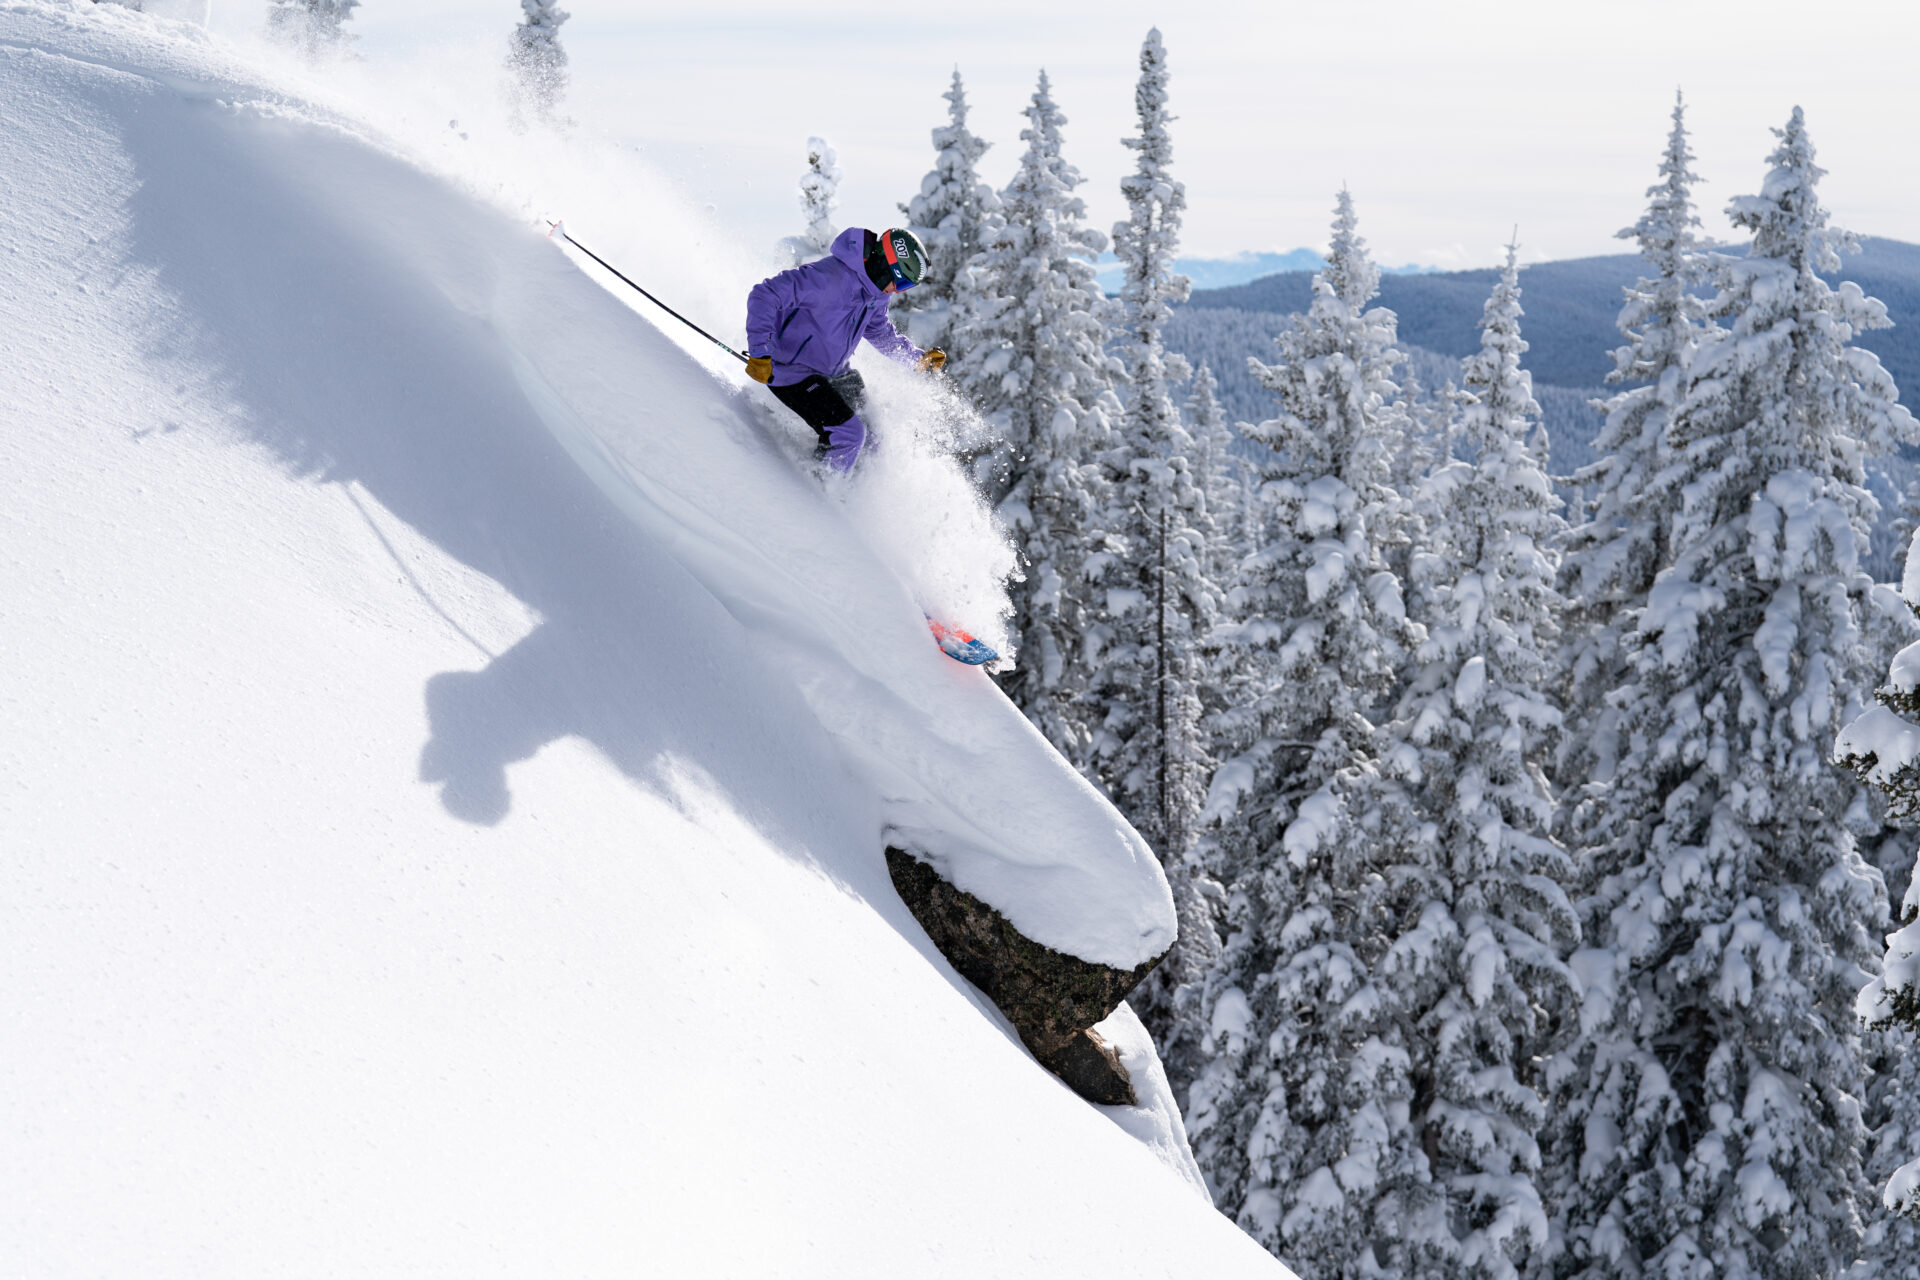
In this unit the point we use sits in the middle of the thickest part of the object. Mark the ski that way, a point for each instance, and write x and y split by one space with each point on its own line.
958 645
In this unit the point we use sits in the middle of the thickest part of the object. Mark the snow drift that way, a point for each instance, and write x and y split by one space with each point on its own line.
448 750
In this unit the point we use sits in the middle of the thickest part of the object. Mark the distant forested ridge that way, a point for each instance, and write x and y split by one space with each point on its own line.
1571 308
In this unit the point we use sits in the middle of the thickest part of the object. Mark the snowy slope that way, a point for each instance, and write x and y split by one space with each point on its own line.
447 746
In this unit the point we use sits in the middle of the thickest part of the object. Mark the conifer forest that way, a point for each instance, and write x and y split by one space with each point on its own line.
1535 836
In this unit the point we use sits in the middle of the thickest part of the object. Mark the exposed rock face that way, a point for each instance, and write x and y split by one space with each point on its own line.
1093 1070
1051 998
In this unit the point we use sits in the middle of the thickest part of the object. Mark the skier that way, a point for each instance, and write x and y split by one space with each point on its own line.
803 325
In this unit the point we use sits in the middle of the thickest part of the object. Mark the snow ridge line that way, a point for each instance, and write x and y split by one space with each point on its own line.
228 93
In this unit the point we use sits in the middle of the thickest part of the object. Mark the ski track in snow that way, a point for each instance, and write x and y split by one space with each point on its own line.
586 959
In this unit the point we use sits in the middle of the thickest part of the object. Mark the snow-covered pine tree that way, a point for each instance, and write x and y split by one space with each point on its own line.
311 26
1039 373
1154 596
954 216
1612 555
1423 436
1890 1245
1882 746
1901 528
1482 972
1890 1248
1606 1074
1302 1117
1315 638
1719 1128
1177 987
819 188
1890 1004
1216 471
536 59
1169 1002
1172 1004
1151 584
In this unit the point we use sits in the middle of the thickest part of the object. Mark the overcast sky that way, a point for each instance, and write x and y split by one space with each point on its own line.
1450 122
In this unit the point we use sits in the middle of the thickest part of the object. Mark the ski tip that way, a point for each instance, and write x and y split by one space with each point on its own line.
958 645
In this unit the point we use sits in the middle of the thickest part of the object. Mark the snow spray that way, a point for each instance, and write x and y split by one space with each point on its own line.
912 502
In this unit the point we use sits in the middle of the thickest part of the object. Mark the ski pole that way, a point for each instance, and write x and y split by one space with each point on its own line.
560 229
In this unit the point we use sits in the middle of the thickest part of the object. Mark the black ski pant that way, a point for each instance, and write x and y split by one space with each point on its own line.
831 406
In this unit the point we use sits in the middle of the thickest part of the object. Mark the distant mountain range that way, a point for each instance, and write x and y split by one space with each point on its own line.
1571 307
1222 273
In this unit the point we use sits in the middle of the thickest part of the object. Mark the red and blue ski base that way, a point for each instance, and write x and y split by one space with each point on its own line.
960 646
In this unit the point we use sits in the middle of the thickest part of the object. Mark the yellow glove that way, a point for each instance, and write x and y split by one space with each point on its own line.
760 369
935 359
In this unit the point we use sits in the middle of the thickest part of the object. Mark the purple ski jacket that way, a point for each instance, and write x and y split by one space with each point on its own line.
809 319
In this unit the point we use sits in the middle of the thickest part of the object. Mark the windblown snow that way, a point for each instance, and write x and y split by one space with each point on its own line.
450 737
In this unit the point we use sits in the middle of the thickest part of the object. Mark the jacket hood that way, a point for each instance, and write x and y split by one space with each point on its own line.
850 247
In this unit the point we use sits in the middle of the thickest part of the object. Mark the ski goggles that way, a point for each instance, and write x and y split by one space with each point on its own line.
900 277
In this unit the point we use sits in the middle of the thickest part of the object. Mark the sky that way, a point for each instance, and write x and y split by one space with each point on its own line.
1453 125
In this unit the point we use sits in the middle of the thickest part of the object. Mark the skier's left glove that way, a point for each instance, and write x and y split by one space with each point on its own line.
932 361
760 369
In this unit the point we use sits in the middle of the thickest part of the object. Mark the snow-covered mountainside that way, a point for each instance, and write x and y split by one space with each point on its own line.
449 740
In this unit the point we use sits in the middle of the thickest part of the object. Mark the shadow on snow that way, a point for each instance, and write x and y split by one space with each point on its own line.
352 360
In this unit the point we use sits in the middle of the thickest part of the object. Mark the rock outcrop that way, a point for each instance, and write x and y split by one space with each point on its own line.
1052 999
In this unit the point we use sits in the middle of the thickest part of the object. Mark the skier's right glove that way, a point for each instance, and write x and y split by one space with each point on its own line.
760 369
933 361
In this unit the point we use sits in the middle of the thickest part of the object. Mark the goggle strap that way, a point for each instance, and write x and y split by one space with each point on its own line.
900 278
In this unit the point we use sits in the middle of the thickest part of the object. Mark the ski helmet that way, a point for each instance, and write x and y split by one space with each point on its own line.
898 255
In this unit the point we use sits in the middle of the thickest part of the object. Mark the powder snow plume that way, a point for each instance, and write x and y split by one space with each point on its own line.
915 506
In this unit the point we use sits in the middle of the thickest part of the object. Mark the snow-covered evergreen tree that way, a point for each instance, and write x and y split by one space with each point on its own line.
1175 1000
1153 592
1422 445
311 26
1900 530
1890 1004
1472 732
1613 554
819 188
1613 557
1152 588
1302 1119
1716 1092
1216 471
535 57
1882 746
954 215
1172 996
1169 1001
1890 1246
1316 635
1038 370
1423 433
